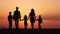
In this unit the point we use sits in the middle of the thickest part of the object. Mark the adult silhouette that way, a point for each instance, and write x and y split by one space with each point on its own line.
10 17
17 16
32 18
39 22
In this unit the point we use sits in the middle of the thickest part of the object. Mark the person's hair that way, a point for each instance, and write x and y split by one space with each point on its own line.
39 15
9 12
25 15
32 10
17 8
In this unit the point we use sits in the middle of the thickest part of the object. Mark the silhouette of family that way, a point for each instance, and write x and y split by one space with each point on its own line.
17 16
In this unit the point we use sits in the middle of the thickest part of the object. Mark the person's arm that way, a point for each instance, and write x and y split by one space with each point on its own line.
29 16
27 19
34 16
13 15
22 19
20 16
8 18
36 19
41 19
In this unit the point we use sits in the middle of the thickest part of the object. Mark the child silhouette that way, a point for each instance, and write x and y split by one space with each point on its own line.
10 17
25 21
39 22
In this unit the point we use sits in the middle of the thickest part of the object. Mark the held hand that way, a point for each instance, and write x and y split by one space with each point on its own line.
13 19
20 19
28 18
36 18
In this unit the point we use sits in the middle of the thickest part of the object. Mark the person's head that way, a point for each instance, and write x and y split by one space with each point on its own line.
32 10
17 8
39 16
25 15
9 13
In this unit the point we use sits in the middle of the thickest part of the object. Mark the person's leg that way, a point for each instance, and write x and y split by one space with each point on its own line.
32 25
9 25
17 24
39 26
25 27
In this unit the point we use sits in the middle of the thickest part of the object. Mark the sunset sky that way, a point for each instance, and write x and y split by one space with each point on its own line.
48 9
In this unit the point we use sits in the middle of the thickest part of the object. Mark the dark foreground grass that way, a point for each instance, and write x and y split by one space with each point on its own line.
29 31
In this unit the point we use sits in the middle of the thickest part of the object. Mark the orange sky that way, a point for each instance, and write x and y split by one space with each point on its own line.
49 9
43 7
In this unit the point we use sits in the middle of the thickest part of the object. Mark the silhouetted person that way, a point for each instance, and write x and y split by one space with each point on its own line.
10 17
25 21
32 18
39 22
17 16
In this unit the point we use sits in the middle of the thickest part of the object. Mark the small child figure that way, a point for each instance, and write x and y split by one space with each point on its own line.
25 21
39 22
10 17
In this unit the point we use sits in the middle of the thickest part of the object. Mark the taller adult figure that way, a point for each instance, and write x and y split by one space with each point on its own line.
17 16
32 18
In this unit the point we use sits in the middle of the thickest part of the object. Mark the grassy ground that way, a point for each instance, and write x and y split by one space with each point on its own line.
23 31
